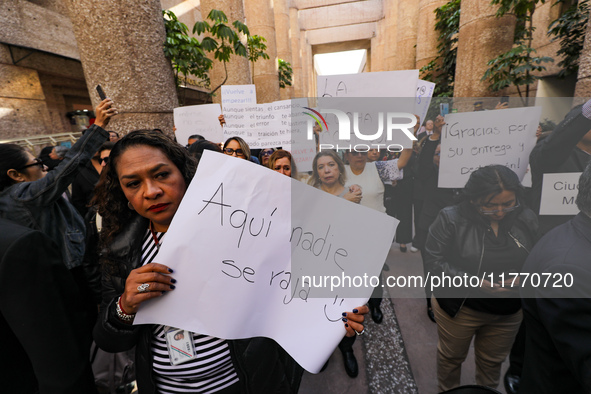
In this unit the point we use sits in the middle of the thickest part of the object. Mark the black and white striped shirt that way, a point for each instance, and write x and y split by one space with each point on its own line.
211 371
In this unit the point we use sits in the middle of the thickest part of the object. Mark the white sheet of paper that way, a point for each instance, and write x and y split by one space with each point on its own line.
229 245
238 94
559 192
471 140
198 119
401 83
425 91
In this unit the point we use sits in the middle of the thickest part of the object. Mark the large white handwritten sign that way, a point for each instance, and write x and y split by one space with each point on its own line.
240 244
198 119
475 139
375 84
425 91
559 192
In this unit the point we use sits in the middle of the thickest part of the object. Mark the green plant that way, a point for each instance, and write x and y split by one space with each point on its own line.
285 73
518 65
442 69
185 53
188 55
570 29
256 50
229 39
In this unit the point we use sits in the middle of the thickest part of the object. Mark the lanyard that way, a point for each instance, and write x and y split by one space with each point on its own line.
154 237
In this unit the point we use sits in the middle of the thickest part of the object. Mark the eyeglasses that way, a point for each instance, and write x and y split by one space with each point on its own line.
230 151
494 211
103 160
267 153
37 162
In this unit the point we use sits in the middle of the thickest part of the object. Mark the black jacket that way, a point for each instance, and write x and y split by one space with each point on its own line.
558 316
261 364
558 153
455 246
42 323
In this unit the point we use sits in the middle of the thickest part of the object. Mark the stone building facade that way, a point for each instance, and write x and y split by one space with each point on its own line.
54 52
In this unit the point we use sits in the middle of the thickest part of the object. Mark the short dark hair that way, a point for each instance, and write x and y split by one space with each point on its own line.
583 200
109 197
12 156
196 149
492 180
197 137
106 146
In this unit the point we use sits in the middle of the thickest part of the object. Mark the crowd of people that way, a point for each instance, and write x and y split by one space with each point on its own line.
98 212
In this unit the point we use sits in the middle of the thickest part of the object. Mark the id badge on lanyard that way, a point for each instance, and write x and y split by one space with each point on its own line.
180 346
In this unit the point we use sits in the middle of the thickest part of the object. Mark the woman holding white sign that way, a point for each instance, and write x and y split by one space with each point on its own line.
138 196
479 245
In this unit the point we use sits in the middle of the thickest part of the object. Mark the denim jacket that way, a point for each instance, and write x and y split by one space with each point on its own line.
39 204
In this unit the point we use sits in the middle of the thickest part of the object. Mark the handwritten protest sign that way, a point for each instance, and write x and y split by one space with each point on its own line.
198 119
559 192
242 242
363 97
238 94
374 84
476 139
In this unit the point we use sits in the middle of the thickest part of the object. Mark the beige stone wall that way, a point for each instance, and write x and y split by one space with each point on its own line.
296 51
120 46
482 37
282 34
426 34
260 17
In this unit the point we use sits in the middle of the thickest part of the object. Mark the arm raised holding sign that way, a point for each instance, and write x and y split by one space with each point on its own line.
138 196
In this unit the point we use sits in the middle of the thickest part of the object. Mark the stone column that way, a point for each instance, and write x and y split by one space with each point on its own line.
120 43
238 67
298 75
583 87
23 110
260 19
282 34
307 67
426 34
482 37
389 30
375 58
408 13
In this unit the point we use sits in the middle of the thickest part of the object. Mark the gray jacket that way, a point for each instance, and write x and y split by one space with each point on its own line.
39 205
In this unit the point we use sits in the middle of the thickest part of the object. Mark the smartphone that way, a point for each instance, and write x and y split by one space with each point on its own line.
444 109
505 99
101 92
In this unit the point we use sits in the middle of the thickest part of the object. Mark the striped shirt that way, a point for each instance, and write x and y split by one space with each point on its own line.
211 371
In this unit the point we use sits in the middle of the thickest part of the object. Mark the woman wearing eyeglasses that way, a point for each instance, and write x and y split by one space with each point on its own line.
237 147
486 236
32 197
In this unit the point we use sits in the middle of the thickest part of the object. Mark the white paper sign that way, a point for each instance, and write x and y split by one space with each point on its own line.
475 139
559 192
347 92
198 119
375 84
238 94
425 91
240 243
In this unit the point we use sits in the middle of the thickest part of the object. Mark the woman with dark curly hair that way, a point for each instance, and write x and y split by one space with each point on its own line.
487 236
138 195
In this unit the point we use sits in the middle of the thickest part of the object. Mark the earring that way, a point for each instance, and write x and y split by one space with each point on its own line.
130 206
